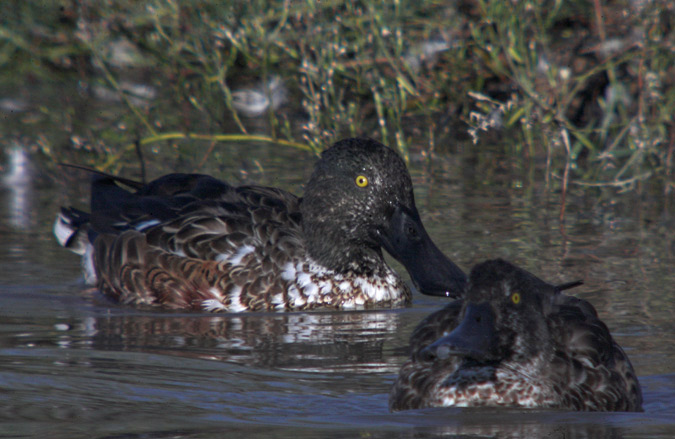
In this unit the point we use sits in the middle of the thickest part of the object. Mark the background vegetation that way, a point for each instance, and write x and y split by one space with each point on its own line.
583 87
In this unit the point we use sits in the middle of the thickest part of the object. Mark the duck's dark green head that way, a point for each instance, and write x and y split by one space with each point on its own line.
503 316
360 199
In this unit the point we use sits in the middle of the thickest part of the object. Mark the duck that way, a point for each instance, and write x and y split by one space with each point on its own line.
513 340
194 242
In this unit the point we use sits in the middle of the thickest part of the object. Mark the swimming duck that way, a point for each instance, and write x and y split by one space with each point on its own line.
191 241
514 340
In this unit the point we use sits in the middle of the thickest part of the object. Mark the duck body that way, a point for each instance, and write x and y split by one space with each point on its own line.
190 241
515 341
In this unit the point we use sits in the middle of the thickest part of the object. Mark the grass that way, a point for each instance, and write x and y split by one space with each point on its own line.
586 86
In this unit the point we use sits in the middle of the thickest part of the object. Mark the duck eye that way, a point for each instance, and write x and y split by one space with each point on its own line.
515 298
361 181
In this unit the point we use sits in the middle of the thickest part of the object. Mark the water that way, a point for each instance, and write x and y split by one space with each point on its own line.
74 365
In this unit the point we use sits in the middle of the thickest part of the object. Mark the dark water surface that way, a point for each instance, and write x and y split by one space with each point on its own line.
73 365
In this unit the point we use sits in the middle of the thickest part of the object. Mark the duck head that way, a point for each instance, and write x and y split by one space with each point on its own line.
503 317
359 200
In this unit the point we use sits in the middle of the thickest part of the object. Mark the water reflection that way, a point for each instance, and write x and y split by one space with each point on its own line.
71 364
507 424
18 182
310 342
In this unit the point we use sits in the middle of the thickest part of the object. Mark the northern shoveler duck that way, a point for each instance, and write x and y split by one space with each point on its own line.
514 340
191 241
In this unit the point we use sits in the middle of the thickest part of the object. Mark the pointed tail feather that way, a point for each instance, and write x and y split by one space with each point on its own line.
125 181
568 285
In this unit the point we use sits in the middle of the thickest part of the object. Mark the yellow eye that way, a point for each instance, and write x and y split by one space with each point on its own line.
515 298
361 181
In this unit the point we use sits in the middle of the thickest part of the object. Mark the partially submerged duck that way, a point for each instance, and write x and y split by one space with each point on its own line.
515 341
190 241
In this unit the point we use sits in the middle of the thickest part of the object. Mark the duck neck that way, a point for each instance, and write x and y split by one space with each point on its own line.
335 252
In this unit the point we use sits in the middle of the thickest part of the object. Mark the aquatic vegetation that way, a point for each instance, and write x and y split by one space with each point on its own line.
585 86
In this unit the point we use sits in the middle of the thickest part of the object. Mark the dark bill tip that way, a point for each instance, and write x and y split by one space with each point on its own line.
430 270
475 337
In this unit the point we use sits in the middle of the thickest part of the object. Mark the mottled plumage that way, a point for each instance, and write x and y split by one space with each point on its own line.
192 241
515 341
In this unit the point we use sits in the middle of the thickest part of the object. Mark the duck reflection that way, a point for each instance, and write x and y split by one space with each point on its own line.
517 426
310 342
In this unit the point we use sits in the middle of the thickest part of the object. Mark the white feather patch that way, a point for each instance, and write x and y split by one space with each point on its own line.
63 230
216 293
90 277
235 300
213 305
277 300
146 224
236 257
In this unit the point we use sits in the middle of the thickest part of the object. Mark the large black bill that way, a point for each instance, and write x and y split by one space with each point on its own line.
431 271
474 337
